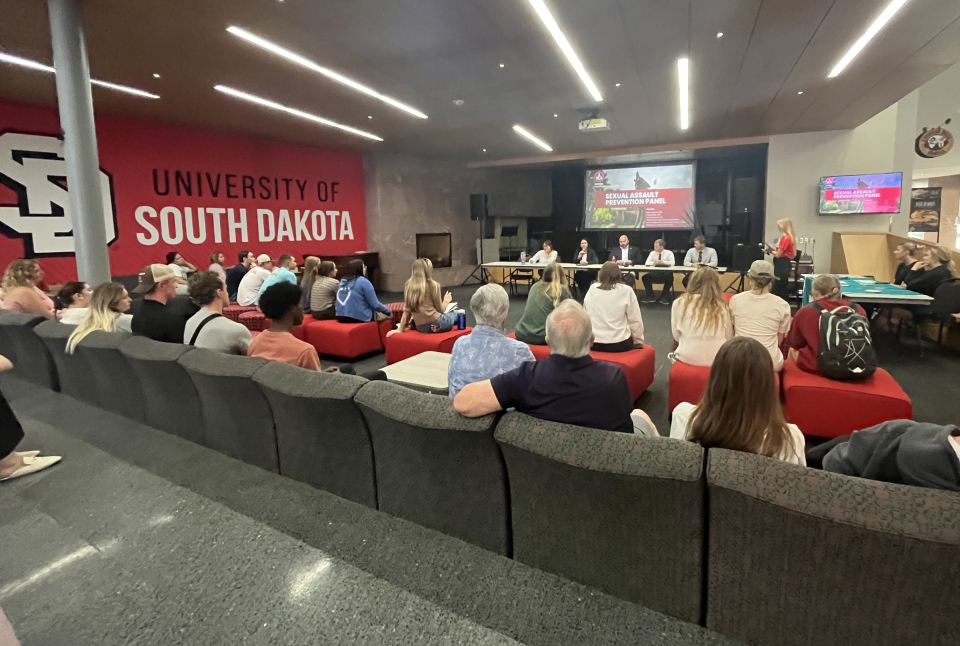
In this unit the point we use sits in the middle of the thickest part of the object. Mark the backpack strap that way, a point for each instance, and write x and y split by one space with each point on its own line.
817 306
196 333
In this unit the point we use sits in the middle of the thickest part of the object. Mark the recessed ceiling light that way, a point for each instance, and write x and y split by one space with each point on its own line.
369 116
616 85
539 142
683 74
484 150
867 36
555 115
156 76
502 65
719 34
305 62
800 92
458 102
297 113
551 24
34 65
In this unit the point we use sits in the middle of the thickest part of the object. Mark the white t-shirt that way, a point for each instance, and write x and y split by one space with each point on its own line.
665 256
249 289
681 421
220 334
614 313
544 258
697 346
181 272
762 317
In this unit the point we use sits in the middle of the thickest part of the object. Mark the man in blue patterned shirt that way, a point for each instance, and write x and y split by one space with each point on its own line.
487 351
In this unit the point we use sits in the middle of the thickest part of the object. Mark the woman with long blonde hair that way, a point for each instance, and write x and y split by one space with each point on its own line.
310 267
108 313
937 267
422 304
783 255
700 319
614 312
543 298
740 409
19 291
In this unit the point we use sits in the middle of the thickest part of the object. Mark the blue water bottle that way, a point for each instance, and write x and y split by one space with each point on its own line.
461 320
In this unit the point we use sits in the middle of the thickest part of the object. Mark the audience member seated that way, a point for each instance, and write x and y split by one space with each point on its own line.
323 294
659 257
356 299
740 409
569 386
236 273
107 313
899 451
700 319
248 291
209 328
217 261
311 266
910 262
73 301
585 256
281 304
154 320
286 266
486 352
761 315
783 256
937 268
546 255
180 267
423 306
19 291
803 340
543 298
699 255
614 312
15 464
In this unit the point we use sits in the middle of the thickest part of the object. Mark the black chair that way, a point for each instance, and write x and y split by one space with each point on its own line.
72 369
946 303
118 387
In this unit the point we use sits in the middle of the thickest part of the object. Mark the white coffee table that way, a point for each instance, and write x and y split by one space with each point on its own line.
426 371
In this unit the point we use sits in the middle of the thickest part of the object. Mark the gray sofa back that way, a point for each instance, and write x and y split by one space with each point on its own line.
616 511
118 387
31 358
170 398
436 468
800 556
322 438
74 373
238 420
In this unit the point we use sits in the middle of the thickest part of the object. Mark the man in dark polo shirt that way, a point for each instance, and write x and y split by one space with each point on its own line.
154 319
236 273
569 386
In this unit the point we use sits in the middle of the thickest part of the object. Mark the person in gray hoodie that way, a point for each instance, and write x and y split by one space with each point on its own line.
900 451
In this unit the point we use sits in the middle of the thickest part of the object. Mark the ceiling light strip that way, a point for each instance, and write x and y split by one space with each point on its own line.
683 74
297 113
34 65
551 24
319 69
539 142
867 36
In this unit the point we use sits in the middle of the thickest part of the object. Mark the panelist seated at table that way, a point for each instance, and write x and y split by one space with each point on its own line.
626 254
614 313
585 256
544 297
546 255
659 257
699 254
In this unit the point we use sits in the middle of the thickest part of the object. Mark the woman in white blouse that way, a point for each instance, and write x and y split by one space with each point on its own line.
614 312
740 409
546 255
700 319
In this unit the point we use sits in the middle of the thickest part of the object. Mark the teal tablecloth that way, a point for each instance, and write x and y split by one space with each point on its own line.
865 288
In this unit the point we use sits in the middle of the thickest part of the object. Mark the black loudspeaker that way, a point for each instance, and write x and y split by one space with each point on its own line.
744 255
747 227
478 206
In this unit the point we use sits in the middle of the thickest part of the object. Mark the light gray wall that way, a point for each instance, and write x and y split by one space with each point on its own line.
407 195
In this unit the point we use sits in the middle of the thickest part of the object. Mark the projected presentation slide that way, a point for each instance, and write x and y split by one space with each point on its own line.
645 197
860 194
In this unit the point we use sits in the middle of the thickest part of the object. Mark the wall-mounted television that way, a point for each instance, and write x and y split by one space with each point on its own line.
860 194
641 197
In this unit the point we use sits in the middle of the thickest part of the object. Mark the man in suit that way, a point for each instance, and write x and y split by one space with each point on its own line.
700 254
626 255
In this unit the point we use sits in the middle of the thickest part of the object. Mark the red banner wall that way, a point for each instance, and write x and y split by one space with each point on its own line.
168 188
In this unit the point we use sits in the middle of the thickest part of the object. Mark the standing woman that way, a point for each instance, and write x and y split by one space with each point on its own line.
73 301
357 301
585 256
323 295
543 298
217 261
700 319
422 304
310 267
108 313
19 291
783 255
15 464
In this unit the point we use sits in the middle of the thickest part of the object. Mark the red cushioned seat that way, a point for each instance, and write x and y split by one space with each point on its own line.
348 340
411 343
687 383
234 311
727 296
638 365
827 408
539 351
254 321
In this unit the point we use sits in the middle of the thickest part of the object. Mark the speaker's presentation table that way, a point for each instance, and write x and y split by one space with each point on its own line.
510 268
862 289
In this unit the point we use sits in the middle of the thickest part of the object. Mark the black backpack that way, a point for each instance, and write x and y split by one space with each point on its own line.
846 351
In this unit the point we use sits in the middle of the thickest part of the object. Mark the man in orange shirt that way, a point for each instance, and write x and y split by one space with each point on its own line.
281 304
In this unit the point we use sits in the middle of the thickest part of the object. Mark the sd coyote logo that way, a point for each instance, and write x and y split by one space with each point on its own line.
33 167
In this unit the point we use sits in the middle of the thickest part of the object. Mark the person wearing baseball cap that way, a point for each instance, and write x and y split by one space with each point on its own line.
761 315
249 289
158 284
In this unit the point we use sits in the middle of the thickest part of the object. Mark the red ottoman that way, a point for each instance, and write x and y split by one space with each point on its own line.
539 351
348 340
727 296
404 345
234 311
255 321
687 383
827 408
638 365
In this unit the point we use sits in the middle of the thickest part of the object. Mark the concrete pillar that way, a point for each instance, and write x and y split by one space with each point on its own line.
80 140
